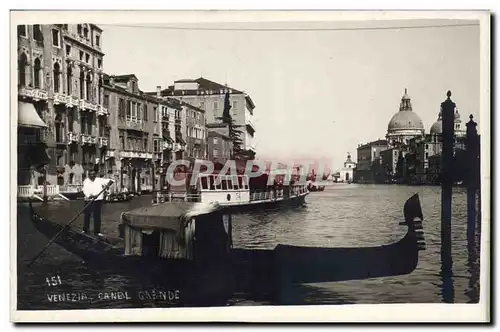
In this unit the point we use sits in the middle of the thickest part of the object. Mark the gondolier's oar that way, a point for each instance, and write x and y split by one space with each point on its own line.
68 224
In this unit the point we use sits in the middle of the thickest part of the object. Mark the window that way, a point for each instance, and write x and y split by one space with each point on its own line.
21 31
79 28
235 104
88 87
81 55
82 84
98 40
87 57
145 145
22 64
155 114
145 112
68 50
216 140
129 110
121 108
106 101
55 38
37 73
70 119
426 155
57 78
37 33
427 146
99 63
215 152
216 105
139 111
156 145
86 32
202 104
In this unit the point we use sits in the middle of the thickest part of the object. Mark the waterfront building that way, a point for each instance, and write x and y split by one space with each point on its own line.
209 96
347 172
133 131
60 81
368 154
219 142
405 124
196 133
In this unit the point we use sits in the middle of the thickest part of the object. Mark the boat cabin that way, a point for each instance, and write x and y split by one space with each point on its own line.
178 230
233 189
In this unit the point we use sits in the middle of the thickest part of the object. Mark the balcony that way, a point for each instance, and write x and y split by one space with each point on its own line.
33 93
61 140
167 145
72 101
101 110
179 147
88 139
60 98
165 119
132 124
73 137
110 154
103 141
87 106
136 155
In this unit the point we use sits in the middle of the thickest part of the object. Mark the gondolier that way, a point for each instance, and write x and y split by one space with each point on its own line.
93 190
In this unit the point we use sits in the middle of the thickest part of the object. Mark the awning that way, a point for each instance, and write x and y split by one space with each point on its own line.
28 116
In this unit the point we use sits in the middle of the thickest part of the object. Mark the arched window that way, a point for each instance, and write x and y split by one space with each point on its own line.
82 84
79 28
69 74
85 31
88 89
37 73
22 64
57 77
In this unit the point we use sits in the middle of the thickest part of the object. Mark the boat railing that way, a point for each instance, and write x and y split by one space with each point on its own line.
175 197
52 189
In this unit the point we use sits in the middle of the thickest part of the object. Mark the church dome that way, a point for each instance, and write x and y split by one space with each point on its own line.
437 127
405 120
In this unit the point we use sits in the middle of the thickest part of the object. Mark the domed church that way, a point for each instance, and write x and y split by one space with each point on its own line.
405 124
437 127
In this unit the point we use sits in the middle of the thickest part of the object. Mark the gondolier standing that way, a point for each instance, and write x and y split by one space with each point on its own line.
93 189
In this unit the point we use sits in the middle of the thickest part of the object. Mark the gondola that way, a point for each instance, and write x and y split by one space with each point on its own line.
193 251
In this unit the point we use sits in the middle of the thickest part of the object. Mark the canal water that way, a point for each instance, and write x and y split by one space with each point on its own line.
344 215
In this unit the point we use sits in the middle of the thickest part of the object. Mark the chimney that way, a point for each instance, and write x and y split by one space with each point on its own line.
158 91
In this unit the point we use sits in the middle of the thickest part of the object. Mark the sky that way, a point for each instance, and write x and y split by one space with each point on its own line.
318 93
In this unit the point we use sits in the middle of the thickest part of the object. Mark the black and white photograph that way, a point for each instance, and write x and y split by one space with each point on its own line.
250 162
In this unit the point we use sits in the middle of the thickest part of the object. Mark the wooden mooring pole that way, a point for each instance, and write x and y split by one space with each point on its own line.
472 146
448 109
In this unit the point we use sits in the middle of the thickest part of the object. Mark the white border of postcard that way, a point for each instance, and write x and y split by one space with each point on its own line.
316 313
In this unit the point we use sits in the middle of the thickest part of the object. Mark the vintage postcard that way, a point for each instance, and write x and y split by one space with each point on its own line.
266 166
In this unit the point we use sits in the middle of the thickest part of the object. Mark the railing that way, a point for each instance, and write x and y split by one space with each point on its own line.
133 154
269 194
167 146
70 188
103 141
34 93
25 191
101 110
73 137
60 98
52 190
172 197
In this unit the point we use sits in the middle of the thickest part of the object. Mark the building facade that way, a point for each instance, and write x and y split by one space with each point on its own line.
131 157
60 77
368 155
219 143
347 172
209 96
